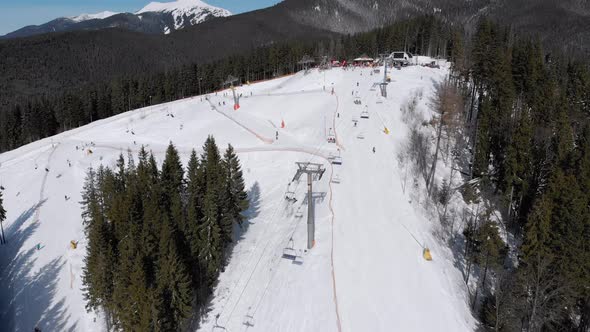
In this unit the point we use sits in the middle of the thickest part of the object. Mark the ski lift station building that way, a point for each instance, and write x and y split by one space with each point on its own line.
401 57
363 60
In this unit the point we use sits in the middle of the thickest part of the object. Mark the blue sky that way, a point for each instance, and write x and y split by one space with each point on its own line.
15 14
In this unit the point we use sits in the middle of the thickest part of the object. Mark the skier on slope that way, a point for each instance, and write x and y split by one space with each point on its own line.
373 149
277 135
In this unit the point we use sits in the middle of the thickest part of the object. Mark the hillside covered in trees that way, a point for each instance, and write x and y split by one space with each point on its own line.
527 139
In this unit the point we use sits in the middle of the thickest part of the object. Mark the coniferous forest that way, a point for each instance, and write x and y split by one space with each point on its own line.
526 134
159 237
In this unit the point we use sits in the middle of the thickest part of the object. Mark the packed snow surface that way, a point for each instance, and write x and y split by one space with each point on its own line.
365 272
98 16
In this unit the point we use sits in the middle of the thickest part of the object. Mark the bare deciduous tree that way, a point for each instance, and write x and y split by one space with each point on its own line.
447 102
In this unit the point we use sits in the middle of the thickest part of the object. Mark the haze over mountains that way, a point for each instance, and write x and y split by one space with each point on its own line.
155 18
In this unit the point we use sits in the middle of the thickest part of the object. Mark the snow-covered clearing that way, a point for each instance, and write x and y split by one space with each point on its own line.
366 271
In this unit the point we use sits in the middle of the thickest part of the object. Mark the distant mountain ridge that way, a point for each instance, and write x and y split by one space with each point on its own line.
47 63
154 18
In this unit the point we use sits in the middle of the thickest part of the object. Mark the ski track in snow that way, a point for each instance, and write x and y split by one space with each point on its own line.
344 283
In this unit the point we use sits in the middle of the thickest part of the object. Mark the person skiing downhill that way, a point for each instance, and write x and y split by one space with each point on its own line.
373 149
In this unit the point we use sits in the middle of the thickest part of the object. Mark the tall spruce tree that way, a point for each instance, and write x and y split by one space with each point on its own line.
210 241
194 210
174 292
234 197
100 256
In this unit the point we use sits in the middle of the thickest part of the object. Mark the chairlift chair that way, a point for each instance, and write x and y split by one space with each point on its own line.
298 213
289 251
331 137
292 254
360 135
336 178
335 160
290 196
365 114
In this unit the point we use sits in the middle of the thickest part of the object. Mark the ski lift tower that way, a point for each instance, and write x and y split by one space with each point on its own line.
230 82
314 172
325 64
383 85
306 62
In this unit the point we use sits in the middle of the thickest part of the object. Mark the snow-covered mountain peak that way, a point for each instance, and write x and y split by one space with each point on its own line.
183 7
86 17
185 11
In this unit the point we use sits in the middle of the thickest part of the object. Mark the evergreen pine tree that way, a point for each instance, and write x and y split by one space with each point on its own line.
482 142
194 215
234 196
139 299
174 292
100 257
210 241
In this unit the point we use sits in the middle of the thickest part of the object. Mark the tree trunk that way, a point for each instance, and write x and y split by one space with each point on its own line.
483 283
430 181
585 316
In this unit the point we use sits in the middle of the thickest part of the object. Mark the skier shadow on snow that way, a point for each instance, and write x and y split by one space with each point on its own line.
28 297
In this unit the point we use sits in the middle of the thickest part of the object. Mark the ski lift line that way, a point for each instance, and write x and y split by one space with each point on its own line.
412 235
259 302
273 217
257 262
298 221
275 269
264 250
254 270
273 264
313 153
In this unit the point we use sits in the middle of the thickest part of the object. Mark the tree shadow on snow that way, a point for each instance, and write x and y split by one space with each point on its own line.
254 198
252 211
27 296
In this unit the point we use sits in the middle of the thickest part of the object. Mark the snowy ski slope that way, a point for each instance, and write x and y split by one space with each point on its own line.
366 271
